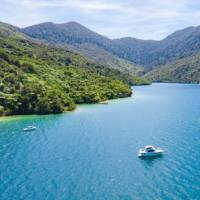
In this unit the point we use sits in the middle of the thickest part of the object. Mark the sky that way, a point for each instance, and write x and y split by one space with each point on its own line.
144 19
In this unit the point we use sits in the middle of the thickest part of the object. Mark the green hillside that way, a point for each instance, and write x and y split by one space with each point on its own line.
186 70
149 55
36 78
152 54
103 57
82 40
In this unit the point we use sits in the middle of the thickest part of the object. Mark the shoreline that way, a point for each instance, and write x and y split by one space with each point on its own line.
15 117
180 83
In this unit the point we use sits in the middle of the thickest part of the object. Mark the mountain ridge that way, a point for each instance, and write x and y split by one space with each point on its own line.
149 54
74 34
128 55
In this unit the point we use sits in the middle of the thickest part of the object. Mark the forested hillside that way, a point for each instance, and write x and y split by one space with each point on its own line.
173 59
186 70
147 55
80 39
36 78
153 54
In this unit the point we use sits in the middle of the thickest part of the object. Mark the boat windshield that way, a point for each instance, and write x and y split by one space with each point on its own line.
150 149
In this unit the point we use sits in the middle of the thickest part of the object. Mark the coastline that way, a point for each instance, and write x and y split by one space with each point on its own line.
103 103
77 109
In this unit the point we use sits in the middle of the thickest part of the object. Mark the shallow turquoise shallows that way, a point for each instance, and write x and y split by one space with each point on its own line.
91 154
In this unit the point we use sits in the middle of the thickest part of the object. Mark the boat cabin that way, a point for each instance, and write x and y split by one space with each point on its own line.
149 149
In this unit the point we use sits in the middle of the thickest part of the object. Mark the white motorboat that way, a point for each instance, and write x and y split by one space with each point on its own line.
29 128
150 151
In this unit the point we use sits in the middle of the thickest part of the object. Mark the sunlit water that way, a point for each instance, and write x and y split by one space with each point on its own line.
91 153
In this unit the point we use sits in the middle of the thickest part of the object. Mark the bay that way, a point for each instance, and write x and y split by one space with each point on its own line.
91 153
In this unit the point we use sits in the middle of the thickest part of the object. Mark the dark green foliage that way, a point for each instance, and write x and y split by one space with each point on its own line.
36 78
27 67
78 38
117 74
4 56
176 54
147 53
68 61
185 70
153 54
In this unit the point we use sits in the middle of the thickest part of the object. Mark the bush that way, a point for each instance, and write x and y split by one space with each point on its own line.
43 106
2 110
56 106
68 61
4 56
27 67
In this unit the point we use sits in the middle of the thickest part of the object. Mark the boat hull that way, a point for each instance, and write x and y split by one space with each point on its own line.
150 154
29 129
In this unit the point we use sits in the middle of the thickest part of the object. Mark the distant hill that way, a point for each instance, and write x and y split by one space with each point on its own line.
126 54
129 55
152 54
11 31
138 51
80 39
185 70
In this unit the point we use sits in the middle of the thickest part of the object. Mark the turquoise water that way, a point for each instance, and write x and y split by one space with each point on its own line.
91 153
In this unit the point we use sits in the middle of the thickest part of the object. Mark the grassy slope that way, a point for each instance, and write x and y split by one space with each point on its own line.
36 78
186 70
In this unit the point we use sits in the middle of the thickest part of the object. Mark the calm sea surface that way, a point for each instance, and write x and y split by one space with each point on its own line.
91 154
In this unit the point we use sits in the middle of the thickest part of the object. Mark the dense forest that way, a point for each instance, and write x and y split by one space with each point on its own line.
147 53
82 40
41 79
186 70
172 59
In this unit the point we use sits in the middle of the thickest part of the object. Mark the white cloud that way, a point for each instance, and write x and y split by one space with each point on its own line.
114 18
83 4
